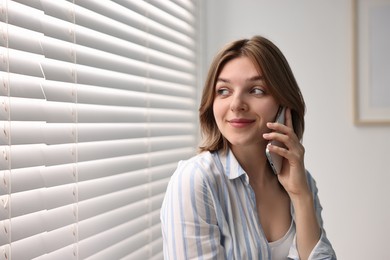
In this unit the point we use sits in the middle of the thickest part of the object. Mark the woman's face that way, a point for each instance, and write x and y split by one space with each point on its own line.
242 104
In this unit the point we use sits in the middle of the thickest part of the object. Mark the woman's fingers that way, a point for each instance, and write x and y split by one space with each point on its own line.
281 133
288 117
291 148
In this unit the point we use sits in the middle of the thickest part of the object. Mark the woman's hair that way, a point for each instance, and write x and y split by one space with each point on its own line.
278 78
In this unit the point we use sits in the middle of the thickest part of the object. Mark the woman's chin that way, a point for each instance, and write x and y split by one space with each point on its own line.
246 143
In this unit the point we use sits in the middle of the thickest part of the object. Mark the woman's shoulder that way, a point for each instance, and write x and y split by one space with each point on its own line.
201 166
204 160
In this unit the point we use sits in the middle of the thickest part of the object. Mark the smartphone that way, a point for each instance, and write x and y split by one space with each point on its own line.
276 160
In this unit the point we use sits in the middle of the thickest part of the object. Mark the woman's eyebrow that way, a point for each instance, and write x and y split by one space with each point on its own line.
223 80
256 78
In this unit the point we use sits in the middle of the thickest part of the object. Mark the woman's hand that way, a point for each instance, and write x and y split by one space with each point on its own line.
293 174
293 178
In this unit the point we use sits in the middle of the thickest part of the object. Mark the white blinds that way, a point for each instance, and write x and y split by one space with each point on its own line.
97 105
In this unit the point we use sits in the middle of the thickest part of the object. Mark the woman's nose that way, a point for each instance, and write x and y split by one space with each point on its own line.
238 103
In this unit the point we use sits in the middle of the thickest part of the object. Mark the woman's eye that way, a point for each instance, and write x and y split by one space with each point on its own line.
257 91
223 92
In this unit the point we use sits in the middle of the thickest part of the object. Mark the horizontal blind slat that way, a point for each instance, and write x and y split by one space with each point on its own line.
18 38
101 131
176 10
20 62
22 86
109 167
188 5
37 4
114 45
129 247
119 190
99 59
96 114
161 16
64 253
41 132
42 221
36 20
120 30
136 213
27 202
150 251
130 231
113 97
128 17
58 70
41 154
43 243
108 149
25 179
24 16
34 110
137 69
98 77
63 10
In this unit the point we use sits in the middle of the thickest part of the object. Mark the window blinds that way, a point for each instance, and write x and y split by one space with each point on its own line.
97 106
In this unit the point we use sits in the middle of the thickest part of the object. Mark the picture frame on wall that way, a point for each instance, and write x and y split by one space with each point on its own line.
371 61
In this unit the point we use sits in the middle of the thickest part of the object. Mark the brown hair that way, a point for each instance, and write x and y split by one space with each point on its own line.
277 75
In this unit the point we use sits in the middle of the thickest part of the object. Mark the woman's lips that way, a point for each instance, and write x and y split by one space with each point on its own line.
240 122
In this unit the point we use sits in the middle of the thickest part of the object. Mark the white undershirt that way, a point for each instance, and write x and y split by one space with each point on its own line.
281 247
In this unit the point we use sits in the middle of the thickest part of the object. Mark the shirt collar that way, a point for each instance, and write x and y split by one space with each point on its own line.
231 167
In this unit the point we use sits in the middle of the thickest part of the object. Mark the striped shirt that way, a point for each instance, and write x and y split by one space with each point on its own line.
209 212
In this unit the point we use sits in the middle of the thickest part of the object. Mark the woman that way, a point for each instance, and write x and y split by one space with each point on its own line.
226 202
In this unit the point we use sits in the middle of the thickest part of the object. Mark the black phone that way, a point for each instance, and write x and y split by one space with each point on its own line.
276 160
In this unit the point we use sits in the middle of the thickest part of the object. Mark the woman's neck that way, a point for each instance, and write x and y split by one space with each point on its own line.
254 162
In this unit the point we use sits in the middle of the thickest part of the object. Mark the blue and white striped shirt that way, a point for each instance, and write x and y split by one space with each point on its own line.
209 212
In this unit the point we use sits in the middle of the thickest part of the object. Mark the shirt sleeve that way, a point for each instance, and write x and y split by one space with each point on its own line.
323 250
188 218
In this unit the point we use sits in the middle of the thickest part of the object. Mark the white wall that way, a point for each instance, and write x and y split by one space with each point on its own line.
351 164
